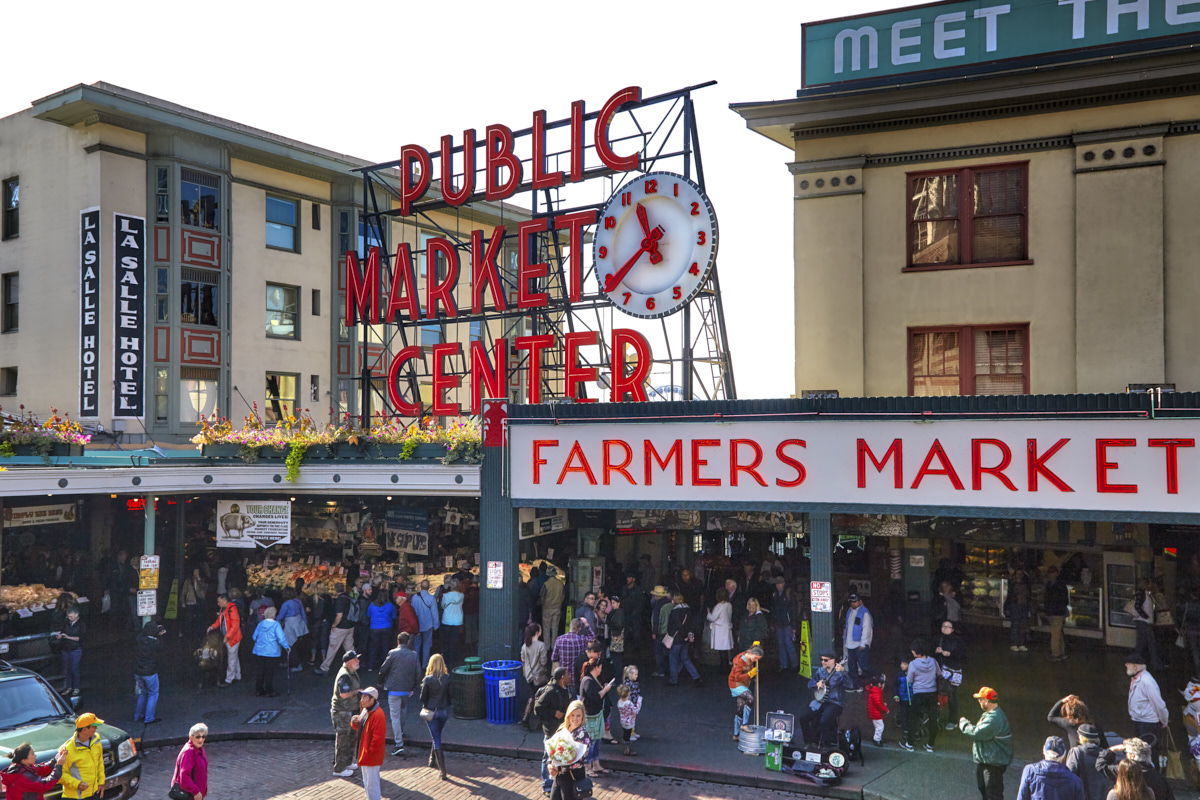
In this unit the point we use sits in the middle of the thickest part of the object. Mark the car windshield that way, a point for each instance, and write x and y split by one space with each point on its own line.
27 700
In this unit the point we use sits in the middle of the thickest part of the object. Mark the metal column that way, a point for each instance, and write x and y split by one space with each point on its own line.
499 631
148 534
820 537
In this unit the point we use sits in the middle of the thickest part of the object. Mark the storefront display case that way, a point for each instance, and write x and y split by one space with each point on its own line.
984 585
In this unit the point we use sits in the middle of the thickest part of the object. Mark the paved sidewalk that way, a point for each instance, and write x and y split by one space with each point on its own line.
274 770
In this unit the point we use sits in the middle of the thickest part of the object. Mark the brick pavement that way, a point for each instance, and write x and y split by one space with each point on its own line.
297 770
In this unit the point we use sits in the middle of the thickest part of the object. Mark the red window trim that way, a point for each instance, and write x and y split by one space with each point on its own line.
966 345
966 222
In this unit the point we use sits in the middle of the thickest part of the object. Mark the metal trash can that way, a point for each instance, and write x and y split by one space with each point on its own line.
500 690
466 690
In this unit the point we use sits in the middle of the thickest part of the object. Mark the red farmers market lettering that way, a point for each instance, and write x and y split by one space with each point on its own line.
698 462
801 472
583 467
947 469
750 469
1037 465
997 472
622 467
674 453
894 453
1104 466
538 461
1171 446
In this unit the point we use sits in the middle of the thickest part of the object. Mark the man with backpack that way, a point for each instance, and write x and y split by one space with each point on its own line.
550 706
341 634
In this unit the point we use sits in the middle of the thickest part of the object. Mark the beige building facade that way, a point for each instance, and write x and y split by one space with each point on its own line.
245 239
1021 229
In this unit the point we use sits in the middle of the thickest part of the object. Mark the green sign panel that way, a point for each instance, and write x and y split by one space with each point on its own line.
940 36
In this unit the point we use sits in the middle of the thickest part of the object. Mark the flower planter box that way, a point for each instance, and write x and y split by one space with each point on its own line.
56 449
320 452
220 450
429 451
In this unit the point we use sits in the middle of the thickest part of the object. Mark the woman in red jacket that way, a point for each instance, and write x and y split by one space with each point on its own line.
372 739
25 779
191 765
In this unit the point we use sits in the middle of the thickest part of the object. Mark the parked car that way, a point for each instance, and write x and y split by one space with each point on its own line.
31 710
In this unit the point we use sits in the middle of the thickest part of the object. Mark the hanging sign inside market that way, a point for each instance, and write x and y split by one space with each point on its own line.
407 530
654 246
906 42
23 516
253 523
1110 465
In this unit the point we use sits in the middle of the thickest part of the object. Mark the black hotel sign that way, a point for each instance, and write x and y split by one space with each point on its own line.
129 363
89 313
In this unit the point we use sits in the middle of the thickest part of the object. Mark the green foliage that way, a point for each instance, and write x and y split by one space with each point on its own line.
295 455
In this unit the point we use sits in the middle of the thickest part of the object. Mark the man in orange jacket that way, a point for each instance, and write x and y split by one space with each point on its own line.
372 739
744 670
230 625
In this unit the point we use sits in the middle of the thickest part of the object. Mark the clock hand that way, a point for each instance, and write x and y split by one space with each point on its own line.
613 280
641 215
653 237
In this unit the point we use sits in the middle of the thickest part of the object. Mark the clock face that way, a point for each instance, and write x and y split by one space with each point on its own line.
655 243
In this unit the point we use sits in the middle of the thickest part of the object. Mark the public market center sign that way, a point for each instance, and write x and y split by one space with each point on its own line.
939 36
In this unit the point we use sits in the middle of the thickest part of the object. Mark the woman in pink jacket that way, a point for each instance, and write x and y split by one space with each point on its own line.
190 780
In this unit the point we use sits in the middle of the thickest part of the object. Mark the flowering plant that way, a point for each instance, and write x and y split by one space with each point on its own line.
26 429
562 750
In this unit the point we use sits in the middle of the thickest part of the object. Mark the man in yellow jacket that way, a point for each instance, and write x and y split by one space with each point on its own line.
83 770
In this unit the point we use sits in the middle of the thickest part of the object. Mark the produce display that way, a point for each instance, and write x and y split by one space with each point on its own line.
32 596
322 579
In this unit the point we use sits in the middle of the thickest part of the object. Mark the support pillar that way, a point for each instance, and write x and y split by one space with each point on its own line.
820 538
148 533
499 628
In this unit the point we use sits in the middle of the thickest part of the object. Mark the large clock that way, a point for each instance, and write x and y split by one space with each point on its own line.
655 243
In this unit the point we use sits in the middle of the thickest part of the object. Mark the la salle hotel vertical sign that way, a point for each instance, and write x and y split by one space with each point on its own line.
129 363
89 313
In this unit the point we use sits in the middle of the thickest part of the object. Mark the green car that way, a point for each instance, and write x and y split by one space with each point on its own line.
32 711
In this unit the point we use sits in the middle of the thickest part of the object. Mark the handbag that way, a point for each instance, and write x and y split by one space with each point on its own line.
617 643
668 640
426 714
177 793
1174 771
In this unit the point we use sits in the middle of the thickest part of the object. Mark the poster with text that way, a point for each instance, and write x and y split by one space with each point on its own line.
407 530
253 523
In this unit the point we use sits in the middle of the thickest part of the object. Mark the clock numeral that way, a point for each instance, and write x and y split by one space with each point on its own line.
611 222
603 253
701 236
651 186
626 198
677 190
677 293
650 303
694 268
695 209
625 302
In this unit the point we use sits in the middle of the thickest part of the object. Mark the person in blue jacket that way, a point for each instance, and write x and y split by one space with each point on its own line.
269 644
829 684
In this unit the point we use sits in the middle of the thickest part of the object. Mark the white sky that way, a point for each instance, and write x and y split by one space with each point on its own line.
364 78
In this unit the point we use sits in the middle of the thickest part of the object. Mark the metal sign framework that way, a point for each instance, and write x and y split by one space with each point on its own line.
696 363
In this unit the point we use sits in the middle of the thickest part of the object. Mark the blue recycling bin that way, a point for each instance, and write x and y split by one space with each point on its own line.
500 679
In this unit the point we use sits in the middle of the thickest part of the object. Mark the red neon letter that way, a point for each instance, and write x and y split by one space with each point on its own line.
801 473
463 193
535 345
399 404
484 272
542 179
403 294
896 451
610 467
440 292
1172 447
575 223
538 461
750 469
485 376
675 452
698 462
442 381
500 154
577 116
415 167
526 271
631 383
1104 466
611 160
362 288
978 470
576 454
947 469
1037 465
574 375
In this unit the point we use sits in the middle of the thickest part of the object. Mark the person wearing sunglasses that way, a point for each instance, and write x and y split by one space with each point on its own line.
190 780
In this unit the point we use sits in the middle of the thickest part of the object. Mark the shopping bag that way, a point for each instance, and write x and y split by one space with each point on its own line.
1174 760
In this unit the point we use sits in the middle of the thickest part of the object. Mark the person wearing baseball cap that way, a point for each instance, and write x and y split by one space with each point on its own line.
991 744
83 766
858 630
343 706
1049 778
372 739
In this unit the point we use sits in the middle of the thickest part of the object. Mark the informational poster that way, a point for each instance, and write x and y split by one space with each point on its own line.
507 687
148 567
916 561
407 530
129 317
89 313
821 593
147 602
495 575
253 523
22 516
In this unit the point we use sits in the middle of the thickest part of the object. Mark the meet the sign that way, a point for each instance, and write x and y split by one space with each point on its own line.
89 313
253 523
937 36
1116 465
129 362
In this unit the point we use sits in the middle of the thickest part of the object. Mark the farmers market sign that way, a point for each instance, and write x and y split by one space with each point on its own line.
908 41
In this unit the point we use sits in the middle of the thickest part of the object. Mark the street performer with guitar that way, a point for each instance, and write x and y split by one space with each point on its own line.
828 684
744 670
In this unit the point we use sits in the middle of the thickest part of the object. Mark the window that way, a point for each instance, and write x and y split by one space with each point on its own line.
476 331
344 221
162 297
11 223
432 334
161 394
968 216
199 199
281 395
198 393
198 296
10 298
316 302
8 380
316 217
968 360
162 197
283 307
282 230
